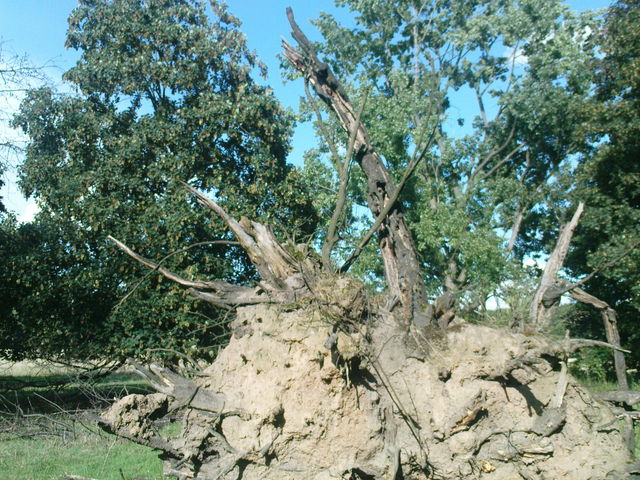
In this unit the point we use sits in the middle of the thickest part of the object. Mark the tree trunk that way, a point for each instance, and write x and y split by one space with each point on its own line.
401 265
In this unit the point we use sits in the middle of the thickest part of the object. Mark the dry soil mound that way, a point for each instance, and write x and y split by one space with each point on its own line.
296 396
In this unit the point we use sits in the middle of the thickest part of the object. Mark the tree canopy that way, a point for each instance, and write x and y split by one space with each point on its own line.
488 95
609 174
164 96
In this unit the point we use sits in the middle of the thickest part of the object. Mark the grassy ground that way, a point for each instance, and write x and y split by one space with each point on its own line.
87 455
48 430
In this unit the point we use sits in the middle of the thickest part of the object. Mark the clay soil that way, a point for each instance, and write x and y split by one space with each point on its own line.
296 395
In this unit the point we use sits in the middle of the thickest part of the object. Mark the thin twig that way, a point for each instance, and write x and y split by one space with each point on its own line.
601 268
331 237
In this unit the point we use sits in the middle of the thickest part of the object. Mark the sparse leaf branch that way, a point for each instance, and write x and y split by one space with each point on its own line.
492 154
332 231
159 268
512 76
504 160
322 125
520 209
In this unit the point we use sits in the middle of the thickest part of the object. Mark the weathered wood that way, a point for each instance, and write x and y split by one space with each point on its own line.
285 278
551 288
610 320
542 306
401 265
561 386
515 231
626 397
275 265
216 292
183 392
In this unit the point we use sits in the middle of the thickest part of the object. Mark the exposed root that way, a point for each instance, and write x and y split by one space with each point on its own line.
277 405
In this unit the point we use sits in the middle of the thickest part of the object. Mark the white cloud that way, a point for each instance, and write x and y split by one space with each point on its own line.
516 55
30 210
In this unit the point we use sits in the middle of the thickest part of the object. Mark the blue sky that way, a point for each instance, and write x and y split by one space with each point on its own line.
36 28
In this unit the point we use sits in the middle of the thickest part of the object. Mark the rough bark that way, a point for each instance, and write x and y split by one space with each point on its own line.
401 265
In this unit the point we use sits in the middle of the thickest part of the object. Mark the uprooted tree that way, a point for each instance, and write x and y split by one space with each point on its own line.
321 380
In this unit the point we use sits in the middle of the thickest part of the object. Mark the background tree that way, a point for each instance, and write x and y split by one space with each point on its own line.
164 96
363 338
609 179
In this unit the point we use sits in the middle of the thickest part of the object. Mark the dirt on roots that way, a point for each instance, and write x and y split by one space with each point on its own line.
299 395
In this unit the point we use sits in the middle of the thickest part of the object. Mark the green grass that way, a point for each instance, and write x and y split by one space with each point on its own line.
98 456
48 429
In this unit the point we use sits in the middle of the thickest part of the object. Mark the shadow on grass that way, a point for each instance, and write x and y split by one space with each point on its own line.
58 392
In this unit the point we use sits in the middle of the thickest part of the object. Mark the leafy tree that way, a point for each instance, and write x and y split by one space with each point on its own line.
164 96
609 177
487 172
458 205
44 307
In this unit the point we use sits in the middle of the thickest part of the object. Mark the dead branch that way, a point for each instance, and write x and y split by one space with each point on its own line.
610 320
164 259
402 268
160 269
561 386
626 397
551 288
541 307
276 266
567 346
182 390
215 292
582 281
515 231
156 442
